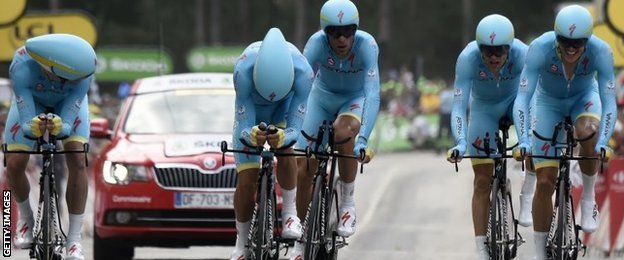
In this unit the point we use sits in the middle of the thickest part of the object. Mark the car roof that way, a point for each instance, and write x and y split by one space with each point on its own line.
183 81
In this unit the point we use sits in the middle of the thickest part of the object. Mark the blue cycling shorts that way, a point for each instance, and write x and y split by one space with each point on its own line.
484 118
552 110
324 105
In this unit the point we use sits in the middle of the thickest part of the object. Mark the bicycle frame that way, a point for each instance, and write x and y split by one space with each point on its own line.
503 238
563 236
49 237
264 240
322 242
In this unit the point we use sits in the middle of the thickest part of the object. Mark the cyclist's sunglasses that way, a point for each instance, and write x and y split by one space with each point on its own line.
574 43
337 31
497 51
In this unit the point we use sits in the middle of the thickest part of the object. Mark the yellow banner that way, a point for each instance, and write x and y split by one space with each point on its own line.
615 15
11 11
14 36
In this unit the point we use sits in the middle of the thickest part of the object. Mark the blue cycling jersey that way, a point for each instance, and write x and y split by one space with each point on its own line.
473 79
35 92
251 108
544 70
345 78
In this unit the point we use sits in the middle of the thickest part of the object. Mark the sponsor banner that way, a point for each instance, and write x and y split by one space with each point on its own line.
213 59
128 64
31 25
11 11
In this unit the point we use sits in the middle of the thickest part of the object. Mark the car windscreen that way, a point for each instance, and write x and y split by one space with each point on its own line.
182 112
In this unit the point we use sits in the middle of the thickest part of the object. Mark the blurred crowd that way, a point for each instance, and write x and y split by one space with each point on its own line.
427 103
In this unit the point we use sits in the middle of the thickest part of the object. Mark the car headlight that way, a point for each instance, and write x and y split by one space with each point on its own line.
118 173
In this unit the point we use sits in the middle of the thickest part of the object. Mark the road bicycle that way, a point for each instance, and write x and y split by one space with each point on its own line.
563 236
49 236
321 240
502 234
264 238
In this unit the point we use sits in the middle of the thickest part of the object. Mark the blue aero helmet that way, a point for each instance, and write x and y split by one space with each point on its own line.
273 72
494 30
574 22
66 56
339 13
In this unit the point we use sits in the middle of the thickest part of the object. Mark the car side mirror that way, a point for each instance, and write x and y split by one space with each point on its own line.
99 128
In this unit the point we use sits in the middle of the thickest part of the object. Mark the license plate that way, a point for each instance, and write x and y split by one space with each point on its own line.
196 200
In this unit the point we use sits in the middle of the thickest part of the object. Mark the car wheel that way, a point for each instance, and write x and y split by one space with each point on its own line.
105 249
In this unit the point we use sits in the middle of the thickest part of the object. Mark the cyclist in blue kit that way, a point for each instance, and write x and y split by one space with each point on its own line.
346 92
488 70
51 74
272 80
571 72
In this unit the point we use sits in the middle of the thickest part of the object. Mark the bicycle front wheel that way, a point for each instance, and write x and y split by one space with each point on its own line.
43 239
330 252
562 239
261 224
494 222
313 223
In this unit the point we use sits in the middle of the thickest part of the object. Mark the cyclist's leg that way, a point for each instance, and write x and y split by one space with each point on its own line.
16 175
586 115
347 125
546 170
484 118
317 112
77 180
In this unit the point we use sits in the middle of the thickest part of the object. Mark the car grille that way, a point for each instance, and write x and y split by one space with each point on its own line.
182 177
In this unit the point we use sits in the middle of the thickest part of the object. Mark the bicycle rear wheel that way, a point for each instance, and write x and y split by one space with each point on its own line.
313 221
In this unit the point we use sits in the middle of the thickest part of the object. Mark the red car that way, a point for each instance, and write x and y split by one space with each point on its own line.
161 181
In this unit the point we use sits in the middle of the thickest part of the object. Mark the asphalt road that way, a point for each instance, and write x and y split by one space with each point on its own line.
410 206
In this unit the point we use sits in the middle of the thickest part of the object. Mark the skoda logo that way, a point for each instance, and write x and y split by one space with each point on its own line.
210 163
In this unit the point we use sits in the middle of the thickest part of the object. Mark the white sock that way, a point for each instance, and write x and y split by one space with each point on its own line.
242 234
75 227
540 244
528 187
347 194
480 242
289 201
25 212
589 193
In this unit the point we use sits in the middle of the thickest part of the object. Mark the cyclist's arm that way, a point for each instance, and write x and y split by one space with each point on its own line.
71 104
244 110
312 51
298 105
372 89
461 98
528 83
606 86
21 74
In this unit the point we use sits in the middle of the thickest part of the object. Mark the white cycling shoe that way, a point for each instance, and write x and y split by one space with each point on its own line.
525 218
346 223
291 227
589 216
240 254
24 237
297 251
74 251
